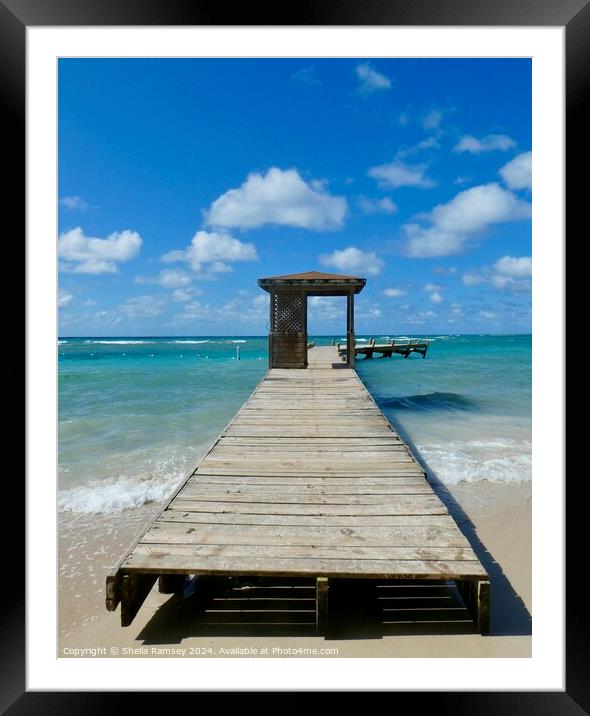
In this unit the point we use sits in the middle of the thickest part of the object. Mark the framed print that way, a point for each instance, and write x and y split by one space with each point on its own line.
238 210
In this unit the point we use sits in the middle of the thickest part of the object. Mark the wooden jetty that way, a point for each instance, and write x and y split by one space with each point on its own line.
400 346
308 480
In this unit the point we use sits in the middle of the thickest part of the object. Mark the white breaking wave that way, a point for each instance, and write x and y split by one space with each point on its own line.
239 341
117 494
498 460
118 343
205 341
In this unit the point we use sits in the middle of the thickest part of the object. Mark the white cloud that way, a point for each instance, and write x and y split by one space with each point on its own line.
514 267
490 143
353 260
408 151
212 252
181 295
433 118
167 278
74 203
279 197
512 273
394 292
419 317
370 80
327 308
433 290
377 206
262 300
64 299
428 143
89 302
195 311
306 76
146 306
472 279
398 173
509 272
85 254
518 172
404 119
367 312
487 315
453 224
243 308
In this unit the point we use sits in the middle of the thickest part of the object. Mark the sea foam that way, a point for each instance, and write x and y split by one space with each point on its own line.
115 495
497 460
117 343
204 341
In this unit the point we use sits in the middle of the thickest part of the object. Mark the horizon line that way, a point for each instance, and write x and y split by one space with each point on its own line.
265 335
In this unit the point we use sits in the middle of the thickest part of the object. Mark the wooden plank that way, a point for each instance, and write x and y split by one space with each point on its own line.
432 507
412 501
303 462
304 431
260 447
297 480
311 443
345 521
304 489
162 551
306 567
447 535
408 471
357 458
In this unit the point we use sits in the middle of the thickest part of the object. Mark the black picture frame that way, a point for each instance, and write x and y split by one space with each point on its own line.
574 15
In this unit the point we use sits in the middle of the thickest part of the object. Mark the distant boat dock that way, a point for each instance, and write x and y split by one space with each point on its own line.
401 346
308 481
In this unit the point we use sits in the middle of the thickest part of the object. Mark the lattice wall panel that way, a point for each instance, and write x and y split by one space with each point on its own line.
288 312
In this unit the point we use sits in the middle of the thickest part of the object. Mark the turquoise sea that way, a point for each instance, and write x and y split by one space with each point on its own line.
136 414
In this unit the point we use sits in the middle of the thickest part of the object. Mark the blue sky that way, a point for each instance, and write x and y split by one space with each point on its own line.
183 181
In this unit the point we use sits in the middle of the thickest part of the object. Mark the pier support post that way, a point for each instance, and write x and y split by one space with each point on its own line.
134 589
321 591
350 341
476 595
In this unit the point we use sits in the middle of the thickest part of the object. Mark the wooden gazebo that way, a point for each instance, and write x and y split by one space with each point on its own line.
287 339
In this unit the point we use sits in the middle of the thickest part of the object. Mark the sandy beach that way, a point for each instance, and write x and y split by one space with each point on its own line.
495 517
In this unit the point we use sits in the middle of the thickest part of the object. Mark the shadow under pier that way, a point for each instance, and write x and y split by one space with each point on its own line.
278 607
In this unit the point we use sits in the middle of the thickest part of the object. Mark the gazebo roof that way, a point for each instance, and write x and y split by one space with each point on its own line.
315 282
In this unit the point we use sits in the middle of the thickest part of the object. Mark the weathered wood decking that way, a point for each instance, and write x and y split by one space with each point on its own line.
309 479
